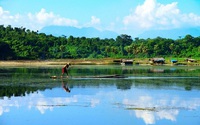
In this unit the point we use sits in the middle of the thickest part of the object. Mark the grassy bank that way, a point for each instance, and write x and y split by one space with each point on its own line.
105 61
56 62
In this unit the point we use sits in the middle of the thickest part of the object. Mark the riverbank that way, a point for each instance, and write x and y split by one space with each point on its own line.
56 62
106 61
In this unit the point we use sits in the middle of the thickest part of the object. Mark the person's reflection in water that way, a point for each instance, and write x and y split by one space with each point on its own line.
65 87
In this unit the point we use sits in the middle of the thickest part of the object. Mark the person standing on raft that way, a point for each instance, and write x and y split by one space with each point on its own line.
65 70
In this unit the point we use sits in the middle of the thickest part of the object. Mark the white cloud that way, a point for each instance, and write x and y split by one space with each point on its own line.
94 22
153 15
35 21
6 18
44 18
1 11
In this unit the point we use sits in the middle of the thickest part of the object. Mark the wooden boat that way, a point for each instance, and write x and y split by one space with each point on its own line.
100 76
108 76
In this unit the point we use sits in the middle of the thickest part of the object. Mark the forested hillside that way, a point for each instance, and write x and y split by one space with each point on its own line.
21 43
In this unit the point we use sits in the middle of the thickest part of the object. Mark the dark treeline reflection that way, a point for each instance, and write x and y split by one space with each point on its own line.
151 83
22 81
100 70
10 91
123 84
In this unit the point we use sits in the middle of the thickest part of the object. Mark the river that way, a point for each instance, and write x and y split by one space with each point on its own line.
100 95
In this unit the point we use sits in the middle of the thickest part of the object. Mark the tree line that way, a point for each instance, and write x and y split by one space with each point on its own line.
20 43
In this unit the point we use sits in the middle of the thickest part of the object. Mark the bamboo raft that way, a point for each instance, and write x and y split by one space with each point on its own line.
101 76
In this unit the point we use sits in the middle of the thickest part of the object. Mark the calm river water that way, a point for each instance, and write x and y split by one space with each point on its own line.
134 95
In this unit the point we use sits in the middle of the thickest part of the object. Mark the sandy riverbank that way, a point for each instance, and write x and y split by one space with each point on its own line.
107 61
55 62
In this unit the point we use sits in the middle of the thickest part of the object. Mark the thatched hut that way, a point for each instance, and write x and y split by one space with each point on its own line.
157 61
190 60
126 62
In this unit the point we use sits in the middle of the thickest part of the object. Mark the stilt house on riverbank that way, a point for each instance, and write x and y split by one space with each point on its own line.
124 61
190 60
157 61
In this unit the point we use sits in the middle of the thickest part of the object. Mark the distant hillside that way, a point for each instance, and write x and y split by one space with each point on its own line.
88 32
173 34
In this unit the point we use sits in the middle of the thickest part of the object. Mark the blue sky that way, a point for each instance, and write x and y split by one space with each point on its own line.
122 16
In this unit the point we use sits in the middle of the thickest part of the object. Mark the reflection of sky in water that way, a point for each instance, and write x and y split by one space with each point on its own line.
152 108
42 103
149 105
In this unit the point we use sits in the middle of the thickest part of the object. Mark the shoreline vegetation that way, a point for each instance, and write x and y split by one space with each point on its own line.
103 61
23 44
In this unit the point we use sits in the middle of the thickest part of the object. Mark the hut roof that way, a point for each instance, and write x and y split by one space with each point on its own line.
158 59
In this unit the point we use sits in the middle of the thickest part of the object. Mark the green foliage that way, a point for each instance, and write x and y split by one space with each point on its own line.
10 91
20 43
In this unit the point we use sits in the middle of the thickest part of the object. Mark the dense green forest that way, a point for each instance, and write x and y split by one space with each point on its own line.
21 43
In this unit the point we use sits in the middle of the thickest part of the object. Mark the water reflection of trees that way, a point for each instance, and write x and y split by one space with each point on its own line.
10 91
185 83
124 84
21 81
